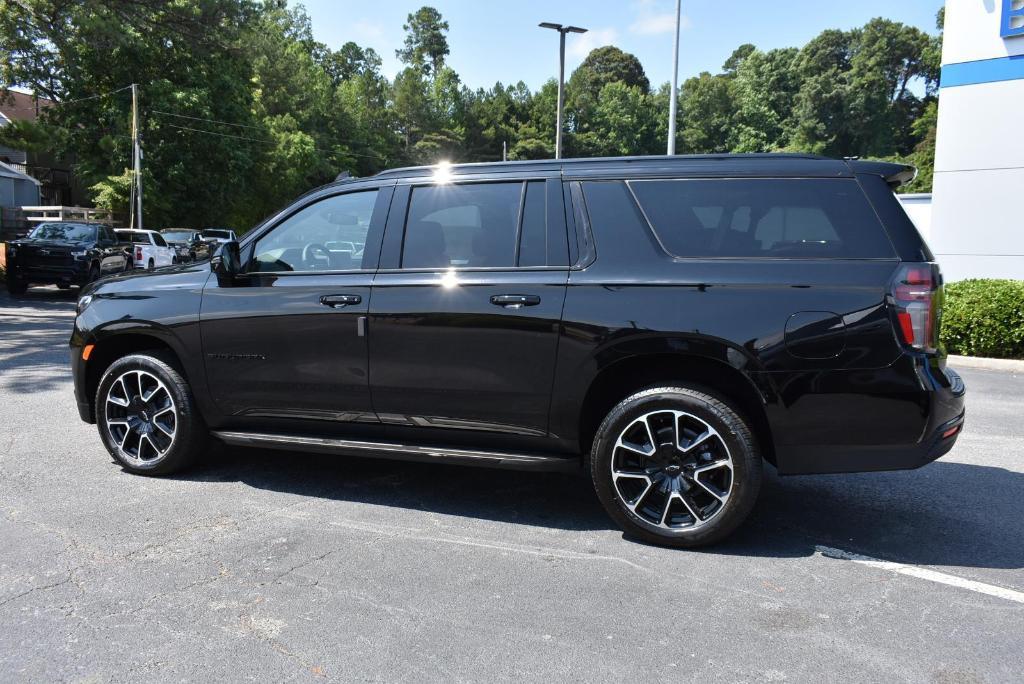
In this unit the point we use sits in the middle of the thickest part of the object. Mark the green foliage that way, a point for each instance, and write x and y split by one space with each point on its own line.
425 43
984 318
274 112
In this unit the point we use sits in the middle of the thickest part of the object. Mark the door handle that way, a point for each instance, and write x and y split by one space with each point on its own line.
340 301
512 301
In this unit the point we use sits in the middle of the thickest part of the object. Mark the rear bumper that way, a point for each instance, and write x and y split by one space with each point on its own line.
939 420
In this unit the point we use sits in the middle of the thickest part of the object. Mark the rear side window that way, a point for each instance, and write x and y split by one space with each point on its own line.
478 225
773 218
137 238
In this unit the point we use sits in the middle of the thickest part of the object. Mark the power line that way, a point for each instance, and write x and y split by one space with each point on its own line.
258 128
199 118
54 103
269 142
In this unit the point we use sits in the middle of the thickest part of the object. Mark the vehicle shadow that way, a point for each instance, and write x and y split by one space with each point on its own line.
929 516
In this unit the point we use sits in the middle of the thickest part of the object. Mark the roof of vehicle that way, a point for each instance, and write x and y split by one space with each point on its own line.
135 230
749 165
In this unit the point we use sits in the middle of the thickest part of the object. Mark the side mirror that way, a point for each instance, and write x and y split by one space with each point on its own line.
226 261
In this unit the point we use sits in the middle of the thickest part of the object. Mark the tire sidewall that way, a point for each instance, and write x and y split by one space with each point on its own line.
747 467
189 429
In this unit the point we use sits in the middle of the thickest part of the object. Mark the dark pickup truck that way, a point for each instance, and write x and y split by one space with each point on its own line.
64 254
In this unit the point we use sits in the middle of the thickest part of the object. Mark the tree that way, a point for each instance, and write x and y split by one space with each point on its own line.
625 120
425 43
764 87
736 59
602 66
707 104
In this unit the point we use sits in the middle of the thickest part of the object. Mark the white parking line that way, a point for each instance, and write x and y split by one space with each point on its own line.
924 573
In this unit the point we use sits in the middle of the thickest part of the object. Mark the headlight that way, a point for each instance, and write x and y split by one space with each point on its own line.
83 302
79 255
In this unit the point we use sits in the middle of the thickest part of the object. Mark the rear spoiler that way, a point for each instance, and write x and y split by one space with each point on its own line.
895 174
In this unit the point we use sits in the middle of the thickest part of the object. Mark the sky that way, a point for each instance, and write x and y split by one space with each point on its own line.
498 40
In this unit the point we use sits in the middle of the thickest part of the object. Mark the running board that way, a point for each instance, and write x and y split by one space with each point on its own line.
402 452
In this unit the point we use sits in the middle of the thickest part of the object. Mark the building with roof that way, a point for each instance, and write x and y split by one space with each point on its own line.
57 182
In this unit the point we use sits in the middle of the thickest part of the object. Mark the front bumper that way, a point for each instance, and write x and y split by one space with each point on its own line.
75 273
78 370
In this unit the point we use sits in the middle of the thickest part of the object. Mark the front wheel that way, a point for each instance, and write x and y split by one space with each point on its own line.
16 286
676 466
147 416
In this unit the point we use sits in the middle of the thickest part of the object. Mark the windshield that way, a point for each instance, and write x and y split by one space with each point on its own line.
177 235
226 234
63 231
131 236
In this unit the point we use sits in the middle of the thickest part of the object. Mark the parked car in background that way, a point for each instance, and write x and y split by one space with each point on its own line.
219 235
665 324
188 244
65 254
148 247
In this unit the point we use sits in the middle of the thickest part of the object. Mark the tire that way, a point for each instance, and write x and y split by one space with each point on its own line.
16 286
94 274
682 497
149 265
163 435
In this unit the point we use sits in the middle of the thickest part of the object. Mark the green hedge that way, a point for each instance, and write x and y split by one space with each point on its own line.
984 318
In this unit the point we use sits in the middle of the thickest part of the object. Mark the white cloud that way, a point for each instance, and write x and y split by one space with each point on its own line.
580 44
652 24
367 30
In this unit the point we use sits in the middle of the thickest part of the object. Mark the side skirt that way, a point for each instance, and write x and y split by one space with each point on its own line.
403 452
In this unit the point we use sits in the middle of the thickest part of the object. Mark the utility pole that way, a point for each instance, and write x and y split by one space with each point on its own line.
136 157
562 30
675 84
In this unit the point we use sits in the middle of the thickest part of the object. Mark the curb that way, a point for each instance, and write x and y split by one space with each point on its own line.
1012 365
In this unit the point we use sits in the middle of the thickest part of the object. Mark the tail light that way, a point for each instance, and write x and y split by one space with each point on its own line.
138 254
916 296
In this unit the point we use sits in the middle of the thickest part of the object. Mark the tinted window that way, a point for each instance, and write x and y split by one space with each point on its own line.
784 218
129 236
63 231
177 235
219 234
462 226
533 241
328 235
159 240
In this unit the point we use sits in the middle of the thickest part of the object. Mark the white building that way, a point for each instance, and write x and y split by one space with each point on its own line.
977 222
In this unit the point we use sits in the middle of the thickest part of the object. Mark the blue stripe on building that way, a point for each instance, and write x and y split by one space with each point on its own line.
982 71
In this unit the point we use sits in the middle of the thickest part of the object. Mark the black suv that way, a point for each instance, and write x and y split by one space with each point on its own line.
64 253
665 323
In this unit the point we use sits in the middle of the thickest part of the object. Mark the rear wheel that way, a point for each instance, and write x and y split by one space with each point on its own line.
149 266
147 416
676 466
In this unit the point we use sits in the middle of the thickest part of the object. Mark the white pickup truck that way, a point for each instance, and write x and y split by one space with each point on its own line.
149 249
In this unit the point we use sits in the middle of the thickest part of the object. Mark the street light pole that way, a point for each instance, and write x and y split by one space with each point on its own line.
675 85
562 30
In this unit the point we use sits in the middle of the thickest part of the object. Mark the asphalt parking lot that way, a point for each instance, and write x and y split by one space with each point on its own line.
289 567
